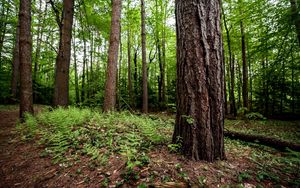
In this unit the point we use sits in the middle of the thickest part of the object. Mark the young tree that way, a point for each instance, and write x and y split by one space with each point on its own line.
200 80
25 50
296 17
61 86
15 66
111 73
144 59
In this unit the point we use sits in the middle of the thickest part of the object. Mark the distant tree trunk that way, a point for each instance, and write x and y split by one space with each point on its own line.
120 70
75 67
83 71
200 80
231 65
38 43
61 86
26 99
15 66
135 75
111 73
144 59
296 17
129 62
91 88
245 66
3 29
239 85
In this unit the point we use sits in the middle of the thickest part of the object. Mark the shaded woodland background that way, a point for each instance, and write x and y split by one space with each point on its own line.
260 44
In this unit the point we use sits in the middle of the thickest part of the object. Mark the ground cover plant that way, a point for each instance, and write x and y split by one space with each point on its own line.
118 149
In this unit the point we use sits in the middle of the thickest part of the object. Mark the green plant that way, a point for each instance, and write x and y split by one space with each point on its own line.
255 116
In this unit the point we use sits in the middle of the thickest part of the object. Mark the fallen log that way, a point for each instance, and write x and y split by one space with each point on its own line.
268 141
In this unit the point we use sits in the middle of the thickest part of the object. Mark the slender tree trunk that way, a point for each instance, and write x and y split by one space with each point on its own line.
3 28
61 86
200 80
91 64
38 43
231 65
135 75
15 66
83 72
244 58
240 83
144 59
75 67
26 99
296 17
111 73
129 62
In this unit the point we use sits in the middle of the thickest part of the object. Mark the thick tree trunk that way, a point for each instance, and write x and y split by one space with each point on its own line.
111 73
15 66
26 99
61 86
296 17
200 80
144 59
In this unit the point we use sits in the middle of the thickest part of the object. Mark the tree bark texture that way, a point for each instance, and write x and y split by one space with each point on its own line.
61 86
16 66
111 73
26 98
200 80
144 59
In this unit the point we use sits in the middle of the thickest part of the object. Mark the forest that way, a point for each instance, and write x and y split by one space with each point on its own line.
150 93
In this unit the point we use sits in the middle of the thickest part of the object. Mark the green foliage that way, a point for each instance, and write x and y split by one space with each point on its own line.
81 131
255 116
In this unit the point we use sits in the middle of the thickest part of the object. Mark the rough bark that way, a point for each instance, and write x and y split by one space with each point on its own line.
15 66
61 85
296 17
200 80
144 59
111 73
268 141
26 99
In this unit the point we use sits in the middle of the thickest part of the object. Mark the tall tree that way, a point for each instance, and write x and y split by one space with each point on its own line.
65 23
26 98
111 73
144 59
15 65
244 59
296 17
200 80
129 57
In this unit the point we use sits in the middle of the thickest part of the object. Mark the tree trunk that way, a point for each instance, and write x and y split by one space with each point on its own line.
26 99
144 59
296 17
129 61
200 80
244 58
61 86
15 66
111 73
231 65
135 75
75 67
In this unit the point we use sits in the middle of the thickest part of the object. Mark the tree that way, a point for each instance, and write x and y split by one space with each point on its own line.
296 17
61 85
16 66
200 80
111 73
25 50
144 59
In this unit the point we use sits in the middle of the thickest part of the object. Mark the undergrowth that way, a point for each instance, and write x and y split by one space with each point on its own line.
75 132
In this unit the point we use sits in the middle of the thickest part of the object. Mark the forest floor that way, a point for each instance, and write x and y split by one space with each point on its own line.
28 160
